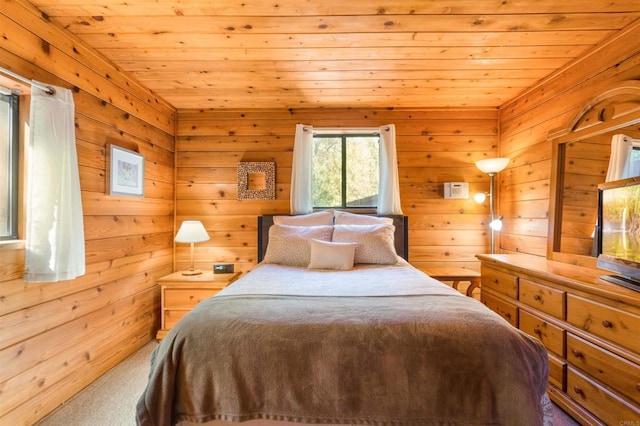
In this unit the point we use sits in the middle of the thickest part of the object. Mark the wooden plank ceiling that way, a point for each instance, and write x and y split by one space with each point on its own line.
334 53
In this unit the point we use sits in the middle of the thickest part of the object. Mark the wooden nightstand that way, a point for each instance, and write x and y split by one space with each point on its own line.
455 275
180 293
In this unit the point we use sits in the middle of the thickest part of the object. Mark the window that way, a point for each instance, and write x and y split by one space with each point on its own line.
634 161
346 170
8 165
384 155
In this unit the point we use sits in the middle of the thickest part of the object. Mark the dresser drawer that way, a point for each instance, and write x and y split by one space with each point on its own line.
543 298
172 317
186 298
500 282
613 324
608 407
504 309
557 372
617 373
551 336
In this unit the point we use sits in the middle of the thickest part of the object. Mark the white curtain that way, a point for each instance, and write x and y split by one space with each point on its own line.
621 147
302 171
389 185
55 230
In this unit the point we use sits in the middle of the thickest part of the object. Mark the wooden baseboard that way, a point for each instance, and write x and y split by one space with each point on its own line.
575 410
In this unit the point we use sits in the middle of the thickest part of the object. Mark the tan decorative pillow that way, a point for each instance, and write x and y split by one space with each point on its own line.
375 242
346 218
290 245
328 255
324 217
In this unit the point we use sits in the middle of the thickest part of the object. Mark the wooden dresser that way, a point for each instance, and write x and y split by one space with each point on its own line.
591 329
180 293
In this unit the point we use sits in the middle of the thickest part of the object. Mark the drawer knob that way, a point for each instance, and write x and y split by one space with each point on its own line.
537 297
537 330
578 390
607 324
577 353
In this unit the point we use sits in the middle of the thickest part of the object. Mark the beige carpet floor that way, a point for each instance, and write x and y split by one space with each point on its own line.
111 400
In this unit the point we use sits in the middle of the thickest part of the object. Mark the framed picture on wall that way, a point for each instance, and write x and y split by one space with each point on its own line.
125 172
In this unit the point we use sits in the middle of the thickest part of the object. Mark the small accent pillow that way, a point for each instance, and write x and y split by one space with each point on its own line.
375 242
324 217
346 218
290 245
328 255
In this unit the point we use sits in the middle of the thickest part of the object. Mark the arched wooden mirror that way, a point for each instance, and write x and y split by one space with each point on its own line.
581 152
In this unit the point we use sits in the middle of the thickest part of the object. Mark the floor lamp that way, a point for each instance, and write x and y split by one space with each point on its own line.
192 231
491 166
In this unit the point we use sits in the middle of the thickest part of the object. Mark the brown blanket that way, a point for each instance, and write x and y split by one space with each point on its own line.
421 355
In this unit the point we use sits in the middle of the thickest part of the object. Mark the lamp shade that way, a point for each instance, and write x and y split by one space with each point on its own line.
492 165
192 231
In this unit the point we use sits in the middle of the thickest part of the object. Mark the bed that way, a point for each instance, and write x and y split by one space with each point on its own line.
377 343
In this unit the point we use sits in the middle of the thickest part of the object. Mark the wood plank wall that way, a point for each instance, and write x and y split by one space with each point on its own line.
586 165
526 121
434 146
56 338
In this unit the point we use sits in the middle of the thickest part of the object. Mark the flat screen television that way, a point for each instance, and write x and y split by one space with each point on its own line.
619 231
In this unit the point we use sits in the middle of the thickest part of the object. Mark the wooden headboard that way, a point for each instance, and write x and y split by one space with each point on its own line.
401 237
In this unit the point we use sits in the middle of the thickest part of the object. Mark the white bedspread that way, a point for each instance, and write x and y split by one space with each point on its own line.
364 280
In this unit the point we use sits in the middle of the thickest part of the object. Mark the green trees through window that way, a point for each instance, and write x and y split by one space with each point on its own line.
345 170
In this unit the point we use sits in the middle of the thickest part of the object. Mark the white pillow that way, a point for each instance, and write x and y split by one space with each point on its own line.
328 255
289 245
346 218
324 217
375 242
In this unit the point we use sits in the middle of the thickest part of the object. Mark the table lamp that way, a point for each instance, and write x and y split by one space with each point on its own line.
192 231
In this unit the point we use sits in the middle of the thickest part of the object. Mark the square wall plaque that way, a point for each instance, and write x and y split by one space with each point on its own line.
257 181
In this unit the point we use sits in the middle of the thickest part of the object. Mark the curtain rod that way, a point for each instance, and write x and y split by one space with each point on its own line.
48 89
345 130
